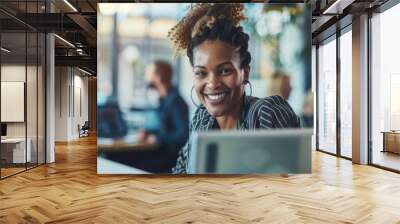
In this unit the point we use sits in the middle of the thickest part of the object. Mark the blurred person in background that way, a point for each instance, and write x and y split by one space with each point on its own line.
173 115
280 85
217 48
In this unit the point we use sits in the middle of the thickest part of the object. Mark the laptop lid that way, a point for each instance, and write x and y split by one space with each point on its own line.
111 123
261 151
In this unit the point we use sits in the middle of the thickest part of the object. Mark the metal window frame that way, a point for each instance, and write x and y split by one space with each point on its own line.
386 6
334 37
381 9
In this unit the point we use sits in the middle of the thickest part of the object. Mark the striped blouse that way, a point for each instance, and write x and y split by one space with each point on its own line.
264 113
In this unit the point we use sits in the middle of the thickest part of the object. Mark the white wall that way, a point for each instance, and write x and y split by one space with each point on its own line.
80 94
61 103
71 93
12 73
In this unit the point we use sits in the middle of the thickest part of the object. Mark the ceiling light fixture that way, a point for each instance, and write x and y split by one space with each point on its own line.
64 40
5 50
337 7
79 51
84 71
70 5
331 7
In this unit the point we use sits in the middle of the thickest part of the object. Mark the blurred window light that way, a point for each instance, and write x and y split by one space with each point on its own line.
261 26
136 9
289 49
159 28
133 27
169 10
106 24
270 24
275 22
164 10
285 15
131 54
106 9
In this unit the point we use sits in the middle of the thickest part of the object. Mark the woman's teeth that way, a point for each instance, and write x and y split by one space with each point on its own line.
216 98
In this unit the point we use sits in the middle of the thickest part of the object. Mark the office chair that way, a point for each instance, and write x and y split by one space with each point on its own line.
84 130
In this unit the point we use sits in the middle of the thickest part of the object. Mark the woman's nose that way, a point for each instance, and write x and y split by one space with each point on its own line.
213 81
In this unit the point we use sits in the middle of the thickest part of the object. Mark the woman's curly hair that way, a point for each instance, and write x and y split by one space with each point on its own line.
211 21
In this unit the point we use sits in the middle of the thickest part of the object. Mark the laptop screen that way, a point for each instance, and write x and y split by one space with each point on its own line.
112 123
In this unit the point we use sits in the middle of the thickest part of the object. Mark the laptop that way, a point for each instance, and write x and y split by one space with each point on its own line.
111 123
275 151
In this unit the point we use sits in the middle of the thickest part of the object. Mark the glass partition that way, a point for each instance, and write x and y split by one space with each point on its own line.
13 108
385 89
31 100
327 96
41 96
22 76
346 94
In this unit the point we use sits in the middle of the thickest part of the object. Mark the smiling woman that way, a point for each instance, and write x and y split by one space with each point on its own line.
219 80
217 48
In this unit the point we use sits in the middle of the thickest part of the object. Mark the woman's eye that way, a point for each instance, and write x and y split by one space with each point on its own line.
225 71
199 73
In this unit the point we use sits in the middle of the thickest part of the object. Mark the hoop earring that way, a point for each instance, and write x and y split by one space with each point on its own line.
191 97
245 82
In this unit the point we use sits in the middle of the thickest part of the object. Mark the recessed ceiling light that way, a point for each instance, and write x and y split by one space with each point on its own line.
5 50
337 7
84 71
70 5
64 40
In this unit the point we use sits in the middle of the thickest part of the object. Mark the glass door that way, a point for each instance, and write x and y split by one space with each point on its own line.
346 93
14 154
327 96
22 77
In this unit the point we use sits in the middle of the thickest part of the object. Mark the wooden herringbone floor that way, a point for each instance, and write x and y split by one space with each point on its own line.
70 191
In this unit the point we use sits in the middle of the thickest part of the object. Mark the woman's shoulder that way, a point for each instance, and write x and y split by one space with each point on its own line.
272 101
273 112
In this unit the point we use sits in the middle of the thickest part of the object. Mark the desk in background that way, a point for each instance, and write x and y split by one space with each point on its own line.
391 141
121 146
118 156
13 150
126 144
